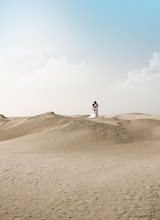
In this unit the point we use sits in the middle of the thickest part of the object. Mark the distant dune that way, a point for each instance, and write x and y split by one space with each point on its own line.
119 129
71 167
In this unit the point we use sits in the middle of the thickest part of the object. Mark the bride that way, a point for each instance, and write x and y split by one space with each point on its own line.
94 110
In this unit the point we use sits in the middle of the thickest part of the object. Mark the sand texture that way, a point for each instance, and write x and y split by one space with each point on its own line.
55 167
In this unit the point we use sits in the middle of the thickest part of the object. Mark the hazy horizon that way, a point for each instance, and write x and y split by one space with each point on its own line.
62 55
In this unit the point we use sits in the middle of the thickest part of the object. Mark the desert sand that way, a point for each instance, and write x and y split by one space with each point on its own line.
55 167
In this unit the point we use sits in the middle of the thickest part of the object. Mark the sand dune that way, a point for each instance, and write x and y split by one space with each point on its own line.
121 129
72 167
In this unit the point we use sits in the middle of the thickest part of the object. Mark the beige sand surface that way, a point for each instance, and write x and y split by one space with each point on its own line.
56 167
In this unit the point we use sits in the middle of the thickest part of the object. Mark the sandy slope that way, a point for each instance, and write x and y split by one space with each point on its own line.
61 167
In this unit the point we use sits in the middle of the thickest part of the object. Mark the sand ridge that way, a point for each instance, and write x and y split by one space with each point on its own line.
123 129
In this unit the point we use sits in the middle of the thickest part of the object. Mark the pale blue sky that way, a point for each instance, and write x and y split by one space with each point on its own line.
108 38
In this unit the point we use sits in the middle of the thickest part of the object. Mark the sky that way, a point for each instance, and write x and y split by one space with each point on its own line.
61 55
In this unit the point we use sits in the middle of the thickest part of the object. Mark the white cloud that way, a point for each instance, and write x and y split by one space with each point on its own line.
144 74
33 82
139 92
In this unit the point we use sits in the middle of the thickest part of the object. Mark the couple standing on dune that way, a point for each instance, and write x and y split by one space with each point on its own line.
94 110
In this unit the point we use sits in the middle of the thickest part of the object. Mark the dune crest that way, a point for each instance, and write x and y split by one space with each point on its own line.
105 130
2 116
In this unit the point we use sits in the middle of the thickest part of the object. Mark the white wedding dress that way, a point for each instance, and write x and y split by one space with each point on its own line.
96 109
94 113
